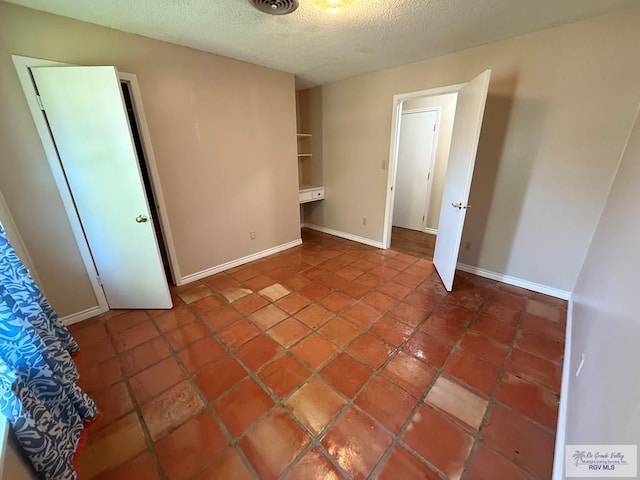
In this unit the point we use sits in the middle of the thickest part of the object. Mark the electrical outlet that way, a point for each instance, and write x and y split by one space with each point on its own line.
580 365
364 220
252 234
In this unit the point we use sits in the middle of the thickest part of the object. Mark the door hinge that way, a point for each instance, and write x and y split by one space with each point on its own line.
423 218
40 102
434 127
99 280
428 175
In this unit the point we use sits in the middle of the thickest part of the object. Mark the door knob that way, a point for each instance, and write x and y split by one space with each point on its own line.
459 206
141 219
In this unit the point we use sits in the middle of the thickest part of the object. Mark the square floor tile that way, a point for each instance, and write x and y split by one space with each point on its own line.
155 380
273 444
336 302
541 346
189 448
315 404
228 465
283 375
379 301
473 371
387 403
440 442
288 332
173 319
99 351
489 326
274 292
293 303
101 376
218 377
250 303
268 316
408 314
207 305
535 369
315 291
340 331
489 465
181 337
428 349
232 294
194 292
392 331
409 373
201 353
457 401
314 466
134 336
143 356
542 326
443 329
142 466
242 406
517 302
361 315
170 409
125 321
405 464
111 447
221 318
529 399
258 351
545 310
356 443
314 316
314 351
394 290
484 347
370 350
520 440
238 333
259 283
356 289
347 375
113 402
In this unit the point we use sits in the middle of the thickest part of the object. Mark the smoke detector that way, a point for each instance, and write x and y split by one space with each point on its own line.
275 7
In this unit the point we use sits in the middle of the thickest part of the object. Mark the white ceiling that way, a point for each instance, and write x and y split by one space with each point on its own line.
320 47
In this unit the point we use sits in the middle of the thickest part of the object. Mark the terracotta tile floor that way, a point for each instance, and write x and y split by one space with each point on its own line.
329 360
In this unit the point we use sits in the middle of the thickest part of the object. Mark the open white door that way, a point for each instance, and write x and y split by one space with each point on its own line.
462 158
413 174
89 125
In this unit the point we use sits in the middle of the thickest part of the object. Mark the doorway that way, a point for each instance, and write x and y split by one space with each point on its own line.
424 136
144 172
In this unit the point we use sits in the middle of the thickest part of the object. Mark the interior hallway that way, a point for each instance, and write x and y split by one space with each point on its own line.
329 360
413 242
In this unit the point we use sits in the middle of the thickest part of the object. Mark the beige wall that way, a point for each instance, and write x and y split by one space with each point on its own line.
560 104
223 132
604 399
447 114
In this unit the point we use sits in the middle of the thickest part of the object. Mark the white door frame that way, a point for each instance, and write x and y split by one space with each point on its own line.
431 159
22 65
398 100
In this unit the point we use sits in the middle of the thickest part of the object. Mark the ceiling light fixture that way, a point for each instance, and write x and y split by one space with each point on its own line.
275 7
332 6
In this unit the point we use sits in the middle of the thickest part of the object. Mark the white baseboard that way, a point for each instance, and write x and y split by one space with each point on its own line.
516 282
80 316
432 231
235 263
561 427
346 236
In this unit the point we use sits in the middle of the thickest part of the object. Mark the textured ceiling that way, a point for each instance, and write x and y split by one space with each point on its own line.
320 47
